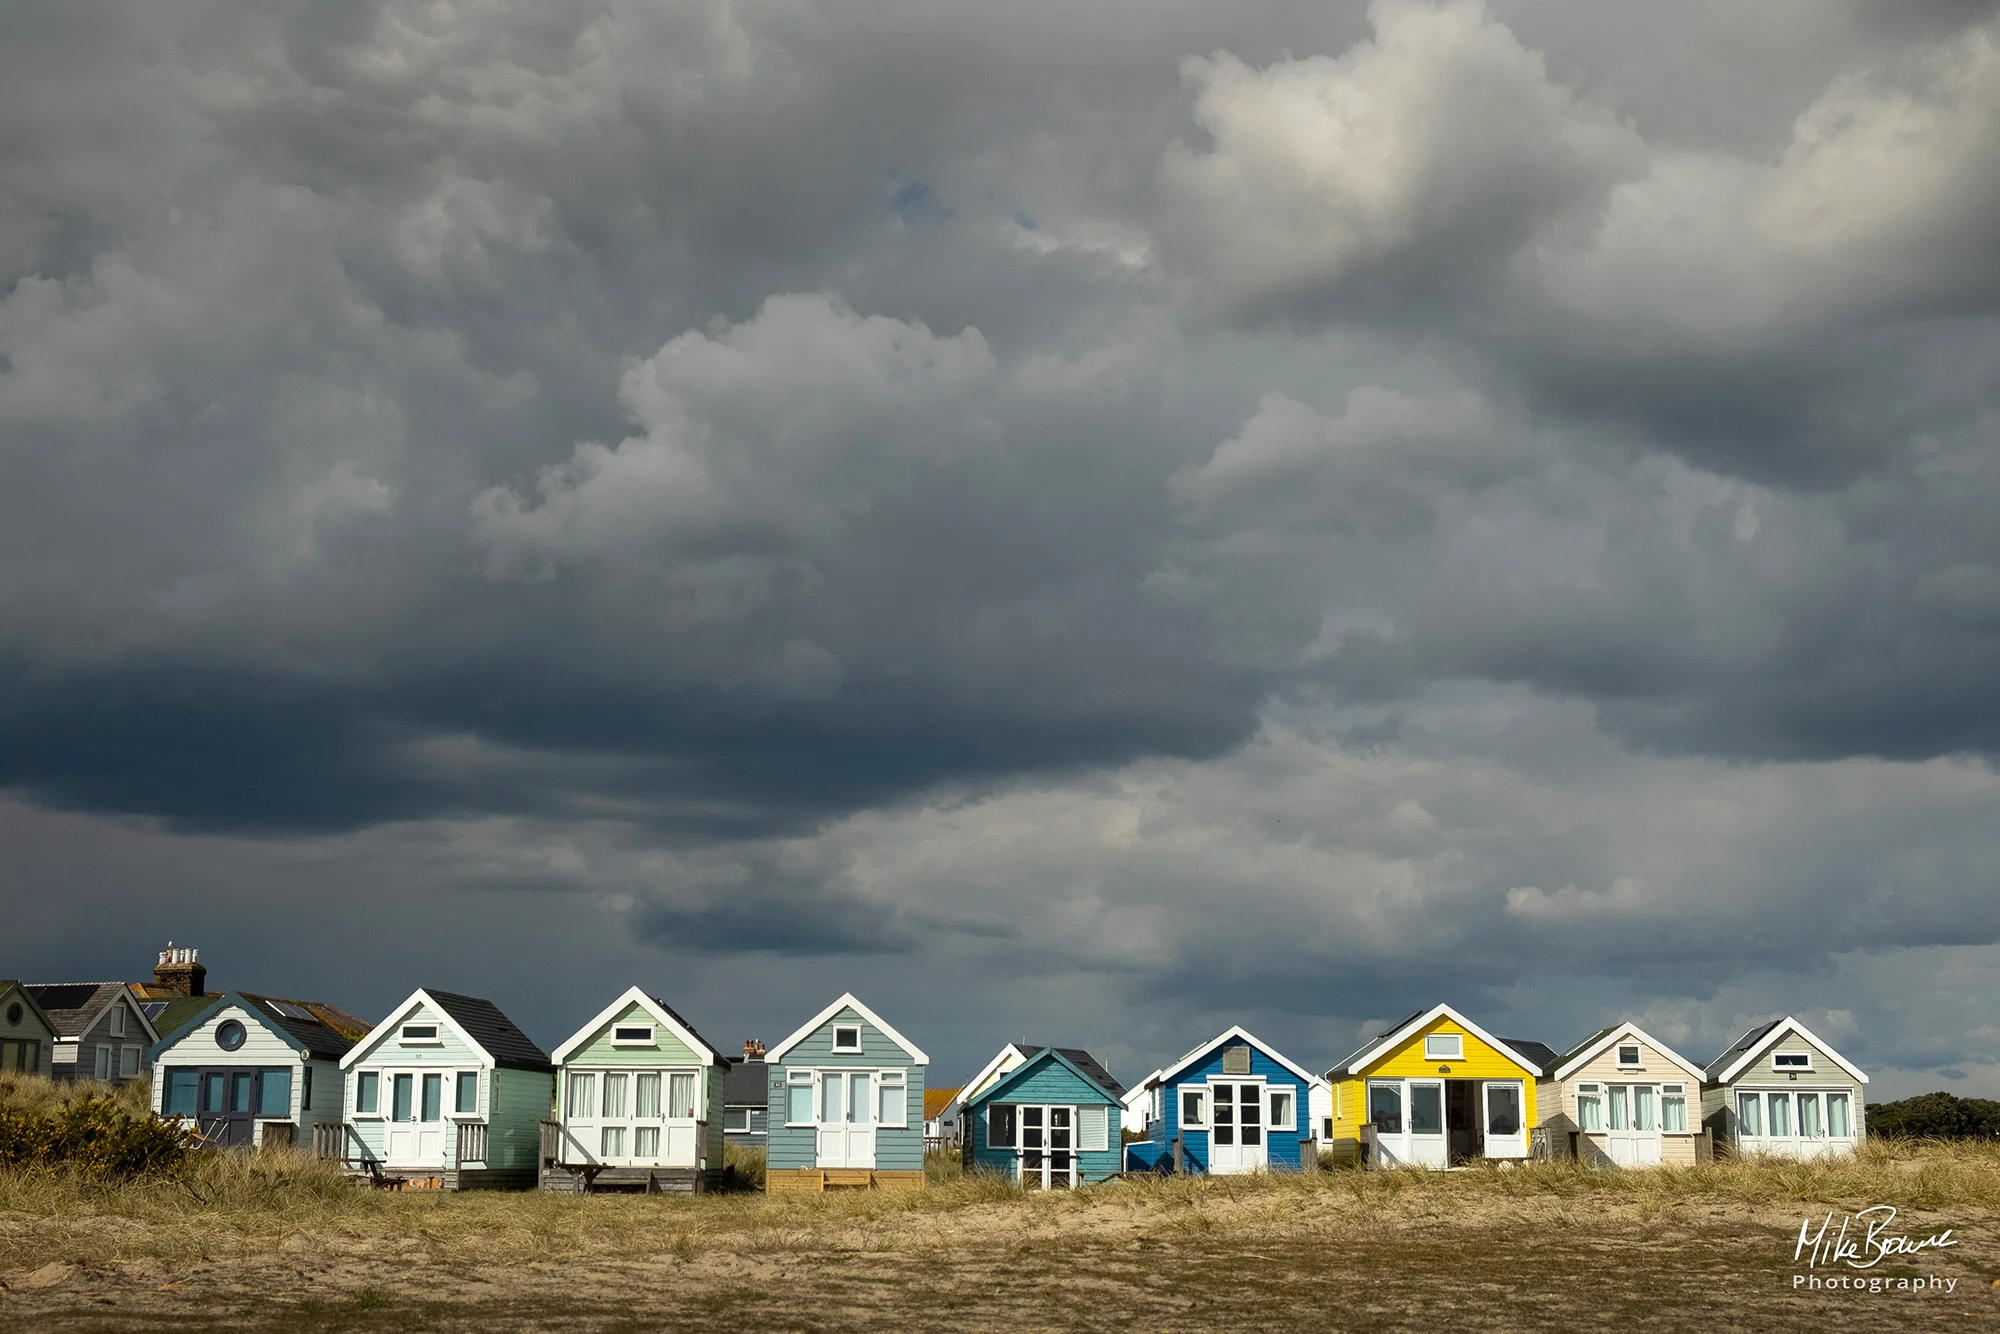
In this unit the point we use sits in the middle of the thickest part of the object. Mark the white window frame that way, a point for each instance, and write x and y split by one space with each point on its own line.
354 1096
647 1041
436 1039
1200 1094
1638 1061
730 1129
1081 1122
840 1049
1674 1093
1291 1095
1807 1068
898 1080
1591 1089
1450 1046
807 1079
1850 1096
478 1095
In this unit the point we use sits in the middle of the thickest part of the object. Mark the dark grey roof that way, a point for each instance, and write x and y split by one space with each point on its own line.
1577 1050
1538 1054
744 1085
72 1006
1083 1061
509 1047
1713 1072
308 1022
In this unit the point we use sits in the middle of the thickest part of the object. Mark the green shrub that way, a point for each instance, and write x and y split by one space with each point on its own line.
93 1135
1935 1116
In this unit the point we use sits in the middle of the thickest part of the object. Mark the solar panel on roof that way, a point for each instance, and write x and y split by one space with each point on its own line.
152 1009
63 995
291 1011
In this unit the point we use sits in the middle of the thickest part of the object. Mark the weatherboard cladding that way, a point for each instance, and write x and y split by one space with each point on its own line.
1042 1080
897 1148
1084 1061
265 1046
666 1048
1282 1150
74 1007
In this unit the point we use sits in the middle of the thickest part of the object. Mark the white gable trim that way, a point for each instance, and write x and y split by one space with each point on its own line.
394 1023
846 1002
131 1003
652 1007
989 1072
1436 1012
1627 1032
1770 1039
1236 1031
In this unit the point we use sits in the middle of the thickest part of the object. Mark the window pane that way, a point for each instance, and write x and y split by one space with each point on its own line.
468 1092
615 1088
1192 1112
1385 1108
680 1096
646 1142
1749 1117
1503 1109
1426 1109
1642 1107
612 1142
1781 1114
1809 1115
212 1087
736 1118
128 1064
831 1094
799 1104
274 1093
1590 1111
859 1109
894 1100
582 1088
1000 1125
1620 1117
646 1096
433 1097
1674 1115
239 1091
1281 1110
367 1089
183 1088
401 1098
1836 1116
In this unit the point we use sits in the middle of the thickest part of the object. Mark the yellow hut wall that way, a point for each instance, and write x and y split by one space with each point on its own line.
1406 1061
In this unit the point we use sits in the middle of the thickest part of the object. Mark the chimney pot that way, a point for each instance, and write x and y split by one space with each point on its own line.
753 1050
180 971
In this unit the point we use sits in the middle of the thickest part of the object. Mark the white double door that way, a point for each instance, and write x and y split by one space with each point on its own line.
1237 1141
1632 1124
846 1119
1048 1147
634 1118
417 1127
1410 1126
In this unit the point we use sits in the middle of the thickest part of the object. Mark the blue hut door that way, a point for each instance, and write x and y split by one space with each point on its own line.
1236 1134
846 1127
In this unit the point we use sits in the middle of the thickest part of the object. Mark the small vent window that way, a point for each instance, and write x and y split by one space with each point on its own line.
1444 1047
420 1033
847 1037
1236 1060
637 1033
1628 1055
1791 1060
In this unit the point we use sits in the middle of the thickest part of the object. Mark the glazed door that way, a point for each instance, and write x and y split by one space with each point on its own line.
228 1109
416 1135
1048 1147
1427 1137
1505 1118
846 1131
1236 1135
1632 1125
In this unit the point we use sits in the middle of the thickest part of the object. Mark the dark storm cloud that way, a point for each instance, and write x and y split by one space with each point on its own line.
1198 506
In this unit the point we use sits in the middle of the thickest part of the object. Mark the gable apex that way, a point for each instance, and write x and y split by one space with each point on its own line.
846 1002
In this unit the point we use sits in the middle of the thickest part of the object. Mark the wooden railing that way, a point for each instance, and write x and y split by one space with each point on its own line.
330 1140
471 1142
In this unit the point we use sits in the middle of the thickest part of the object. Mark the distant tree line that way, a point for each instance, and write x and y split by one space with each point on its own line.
1936 1116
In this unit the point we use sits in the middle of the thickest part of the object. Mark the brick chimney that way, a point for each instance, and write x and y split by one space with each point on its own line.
753 1050
180 972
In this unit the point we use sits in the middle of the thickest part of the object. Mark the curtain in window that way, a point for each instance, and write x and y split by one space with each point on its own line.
467 1099
367 1091
582 1088
646 1096
1837 1124
1590 1111
1673 1112
615 1089
1780 1105
1749 1117
1642 1107
681 1095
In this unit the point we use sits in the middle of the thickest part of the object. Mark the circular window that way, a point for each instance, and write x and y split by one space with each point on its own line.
229 1035
14 1013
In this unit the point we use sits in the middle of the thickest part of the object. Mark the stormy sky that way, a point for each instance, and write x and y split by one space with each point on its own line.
1081 522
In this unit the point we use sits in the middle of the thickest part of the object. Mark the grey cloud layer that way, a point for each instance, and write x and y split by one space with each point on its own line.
781 441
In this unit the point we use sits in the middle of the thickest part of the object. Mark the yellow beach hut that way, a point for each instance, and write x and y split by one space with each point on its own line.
1438 1090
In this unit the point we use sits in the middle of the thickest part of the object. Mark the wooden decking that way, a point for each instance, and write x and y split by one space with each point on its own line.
816 1179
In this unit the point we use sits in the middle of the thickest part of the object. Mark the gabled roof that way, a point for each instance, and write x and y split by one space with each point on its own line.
846 1002
1396 1036
1757 1041
1236 1032
72 1007
10 987
1539 1054
662 1013
1043 1056
1138 1091
170 1014
744 1085
1588 1050
479 1022
936 1101
1083 1061
317 1031
991 1070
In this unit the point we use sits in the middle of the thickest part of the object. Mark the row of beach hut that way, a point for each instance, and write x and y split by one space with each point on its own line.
446 1091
